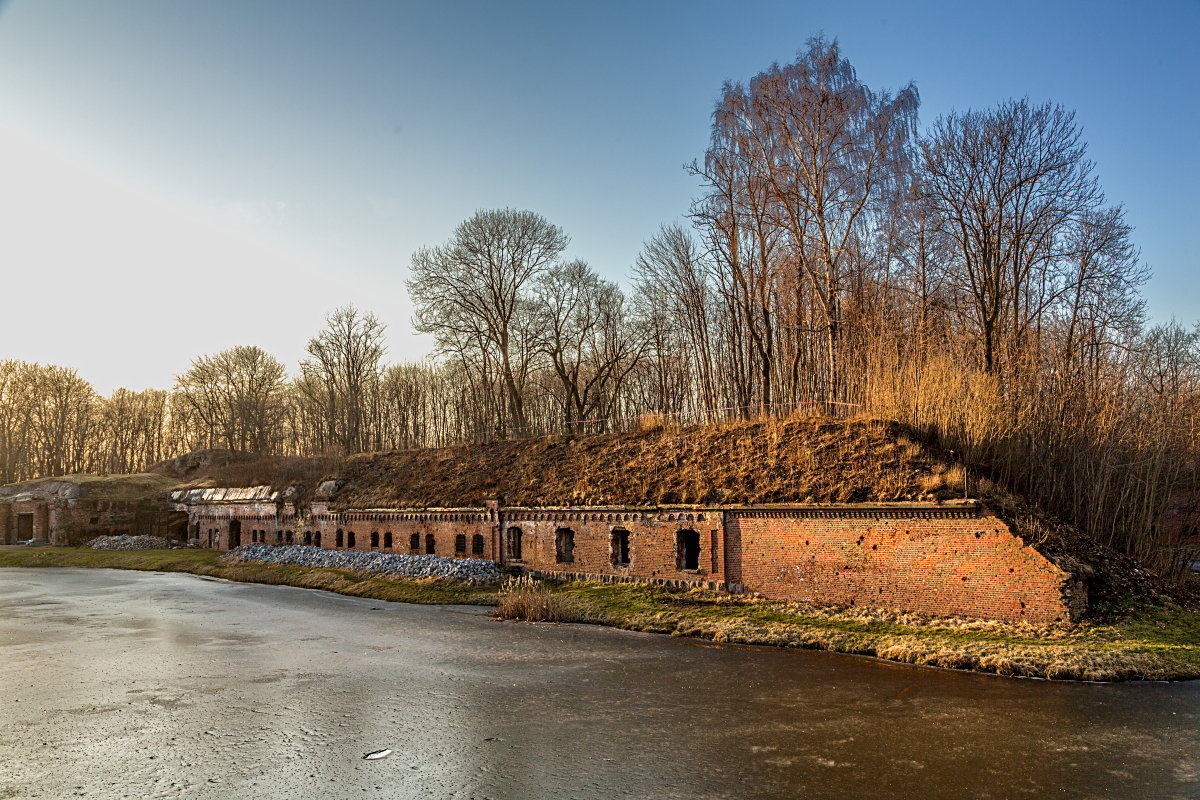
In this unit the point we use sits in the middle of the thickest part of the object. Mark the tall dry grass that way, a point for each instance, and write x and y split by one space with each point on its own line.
1093 451
527 599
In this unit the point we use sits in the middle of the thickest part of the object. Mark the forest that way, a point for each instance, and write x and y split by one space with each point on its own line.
966 277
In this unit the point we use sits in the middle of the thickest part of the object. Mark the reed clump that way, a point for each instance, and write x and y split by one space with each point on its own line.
527 599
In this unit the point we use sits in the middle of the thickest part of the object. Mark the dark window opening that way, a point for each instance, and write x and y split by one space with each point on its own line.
512 544
350 539
460 544
308 537
338 538
374 540
414 543
387 540
316 538
430 544
289 537
477 545
620 547
687 549
278 537
564 546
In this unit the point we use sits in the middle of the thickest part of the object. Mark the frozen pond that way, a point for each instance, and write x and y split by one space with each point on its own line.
120 684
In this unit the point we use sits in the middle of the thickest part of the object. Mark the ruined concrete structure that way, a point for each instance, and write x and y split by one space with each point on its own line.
944 559
74 508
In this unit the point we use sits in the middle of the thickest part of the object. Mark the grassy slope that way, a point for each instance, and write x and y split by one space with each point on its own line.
134 486
1160 644
767 461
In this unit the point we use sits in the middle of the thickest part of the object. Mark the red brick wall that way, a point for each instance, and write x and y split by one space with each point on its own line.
444 526
652 537
288 528
40 511
952 562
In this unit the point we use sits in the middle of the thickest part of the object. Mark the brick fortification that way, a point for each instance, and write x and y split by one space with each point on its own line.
952 559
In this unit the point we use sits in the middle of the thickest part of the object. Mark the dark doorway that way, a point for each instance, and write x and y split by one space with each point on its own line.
687 549
235 533
24 527
512 544
564 546
477 545
430 544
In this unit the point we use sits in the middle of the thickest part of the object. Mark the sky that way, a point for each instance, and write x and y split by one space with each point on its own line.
177 178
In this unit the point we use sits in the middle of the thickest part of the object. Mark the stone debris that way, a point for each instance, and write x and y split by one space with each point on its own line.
125 542
472 570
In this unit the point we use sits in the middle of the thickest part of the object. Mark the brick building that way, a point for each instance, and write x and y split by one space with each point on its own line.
71 509
953 558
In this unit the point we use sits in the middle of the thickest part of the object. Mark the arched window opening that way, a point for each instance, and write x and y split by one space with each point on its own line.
477 545
289 537
512 544
460 544
387 540
278 537
338 538
687 549
308 537
350 539
316 538
564 546
374 540
620 547
414 543
430 544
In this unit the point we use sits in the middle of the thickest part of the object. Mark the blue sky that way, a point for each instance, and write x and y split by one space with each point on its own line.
180 177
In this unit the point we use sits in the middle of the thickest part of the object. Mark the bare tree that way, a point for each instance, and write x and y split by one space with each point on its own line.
582 329
345 362
132 431
1010 183
234 399
671 272
472 294
812 153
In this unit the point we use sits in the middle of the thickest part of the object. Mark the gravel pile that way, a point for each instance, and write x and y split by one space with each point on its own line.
131 543
472 570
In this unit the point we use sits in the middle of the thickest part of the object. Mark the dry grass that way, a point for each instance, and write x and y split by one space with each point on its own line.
528 600
763 461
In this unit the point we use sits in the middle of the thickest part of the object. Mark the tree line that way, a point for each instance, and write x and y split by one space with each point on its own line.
969 279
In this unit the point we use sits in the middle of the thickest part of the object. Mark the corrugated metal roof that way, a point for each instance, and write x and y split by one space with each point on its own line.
261 494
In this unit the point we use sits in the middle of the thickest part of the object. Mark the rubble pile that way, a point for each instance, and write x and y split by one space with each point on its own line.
125 542
472 570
